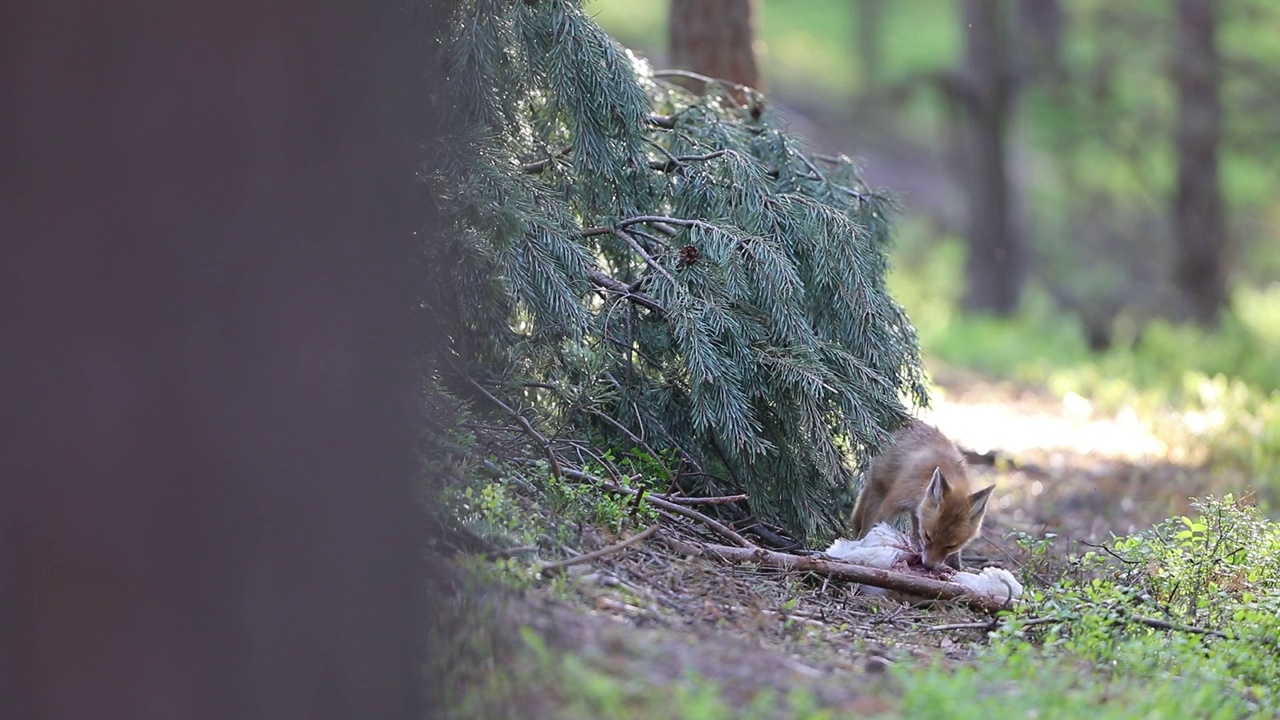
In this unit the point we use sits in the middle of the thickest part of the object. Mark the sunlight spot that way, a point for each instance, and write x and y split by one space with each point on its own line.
1037 487
1076 407
1005 501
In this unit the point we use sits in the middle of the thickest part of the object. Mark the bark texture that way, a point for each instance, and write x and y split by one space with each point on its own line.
715 38
996 267
1199 218
205 438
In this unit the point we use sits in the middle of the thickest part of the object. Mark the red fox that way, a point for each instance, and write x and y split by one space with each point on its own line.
924 474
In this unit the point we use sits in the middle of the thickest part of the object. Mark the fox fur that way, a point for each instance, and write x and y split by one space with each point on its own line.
922 473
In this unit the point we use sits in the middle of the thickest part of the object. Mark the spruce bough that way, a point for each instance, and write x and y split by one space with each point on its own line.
663 267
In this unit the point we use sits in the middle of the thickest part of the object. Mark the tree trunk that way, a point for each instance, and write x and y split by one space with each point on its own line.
995 266
1199 223
869 14
205 438
715 38
1041 24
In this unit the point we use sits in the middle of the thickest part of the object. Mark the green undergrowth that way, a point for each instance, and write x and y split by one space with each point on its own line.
1083 646
1097 656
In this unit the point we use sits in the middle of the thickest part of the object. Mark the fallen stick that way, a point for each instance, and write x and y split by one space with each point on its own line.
723 500
638 537
901 582
664 504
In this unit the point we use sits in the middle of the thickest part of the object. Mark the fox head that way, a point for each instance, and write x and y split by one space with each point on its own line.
948 518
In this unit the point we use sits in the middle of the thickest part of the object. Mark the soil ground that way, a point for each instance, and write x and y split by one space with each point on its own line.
654 616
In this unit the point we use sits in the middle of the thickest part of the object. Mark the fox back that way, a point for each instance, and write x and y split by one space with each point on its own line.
922 473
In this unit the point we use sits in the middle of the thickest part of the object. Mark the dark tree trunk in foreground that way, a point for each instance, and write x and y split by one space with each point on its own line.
715 38
205 440
995 266
1199 223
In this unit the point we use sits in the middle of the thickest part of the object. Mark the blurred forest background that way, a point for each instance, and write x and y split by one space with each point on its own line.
1088 189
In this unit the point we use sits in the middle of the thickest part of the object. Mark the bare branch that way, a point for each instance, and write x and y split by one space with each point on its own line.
1166 625
901 582
722 500
648 260
524 423
678 161
622 289
538 166
665 505
602 552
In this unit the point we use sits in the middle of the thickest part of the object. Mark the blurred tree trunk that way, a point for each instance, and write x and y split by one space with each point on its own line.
985 86
869 15
1199 223
1042 23
715 38
205 424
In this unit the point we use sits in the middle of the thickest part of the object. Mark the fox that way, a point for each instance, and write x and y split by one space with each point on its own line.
924 474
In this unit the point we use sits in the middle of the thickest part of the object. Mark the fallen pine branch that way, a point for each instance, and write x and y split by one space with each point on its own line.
602 552
835 569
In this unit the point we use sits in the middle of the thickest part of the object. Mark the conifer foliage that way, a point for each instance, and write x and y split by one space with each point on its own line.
629 259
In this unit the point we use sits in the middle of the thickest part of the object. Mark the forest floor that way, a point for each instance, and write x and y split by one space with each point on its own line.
650 632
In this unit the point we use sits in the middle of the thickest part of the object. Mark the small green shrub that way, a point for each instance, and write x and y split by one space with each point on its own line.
1217 572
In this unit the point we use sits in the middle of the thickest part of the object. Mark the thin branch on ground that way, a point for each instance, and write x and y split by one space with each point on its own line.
511 552
602 552
1109 551
1166 625
528 428
667 505
992 624
888 579
722 500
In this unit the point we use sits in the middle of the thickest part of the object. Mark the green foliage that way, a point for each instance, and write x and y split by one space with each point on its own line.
1217 571
670 268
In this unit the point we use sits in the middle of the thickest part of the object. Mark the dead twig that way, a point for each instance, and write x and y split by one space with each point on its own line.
609 283
992 624
667 505
900 582
510 552
722 500
1109 551
560 564
529 429
1166 625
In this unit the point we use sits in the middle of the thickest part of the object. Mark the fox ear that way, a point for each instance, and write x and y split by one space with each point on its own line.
938 487
978 501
